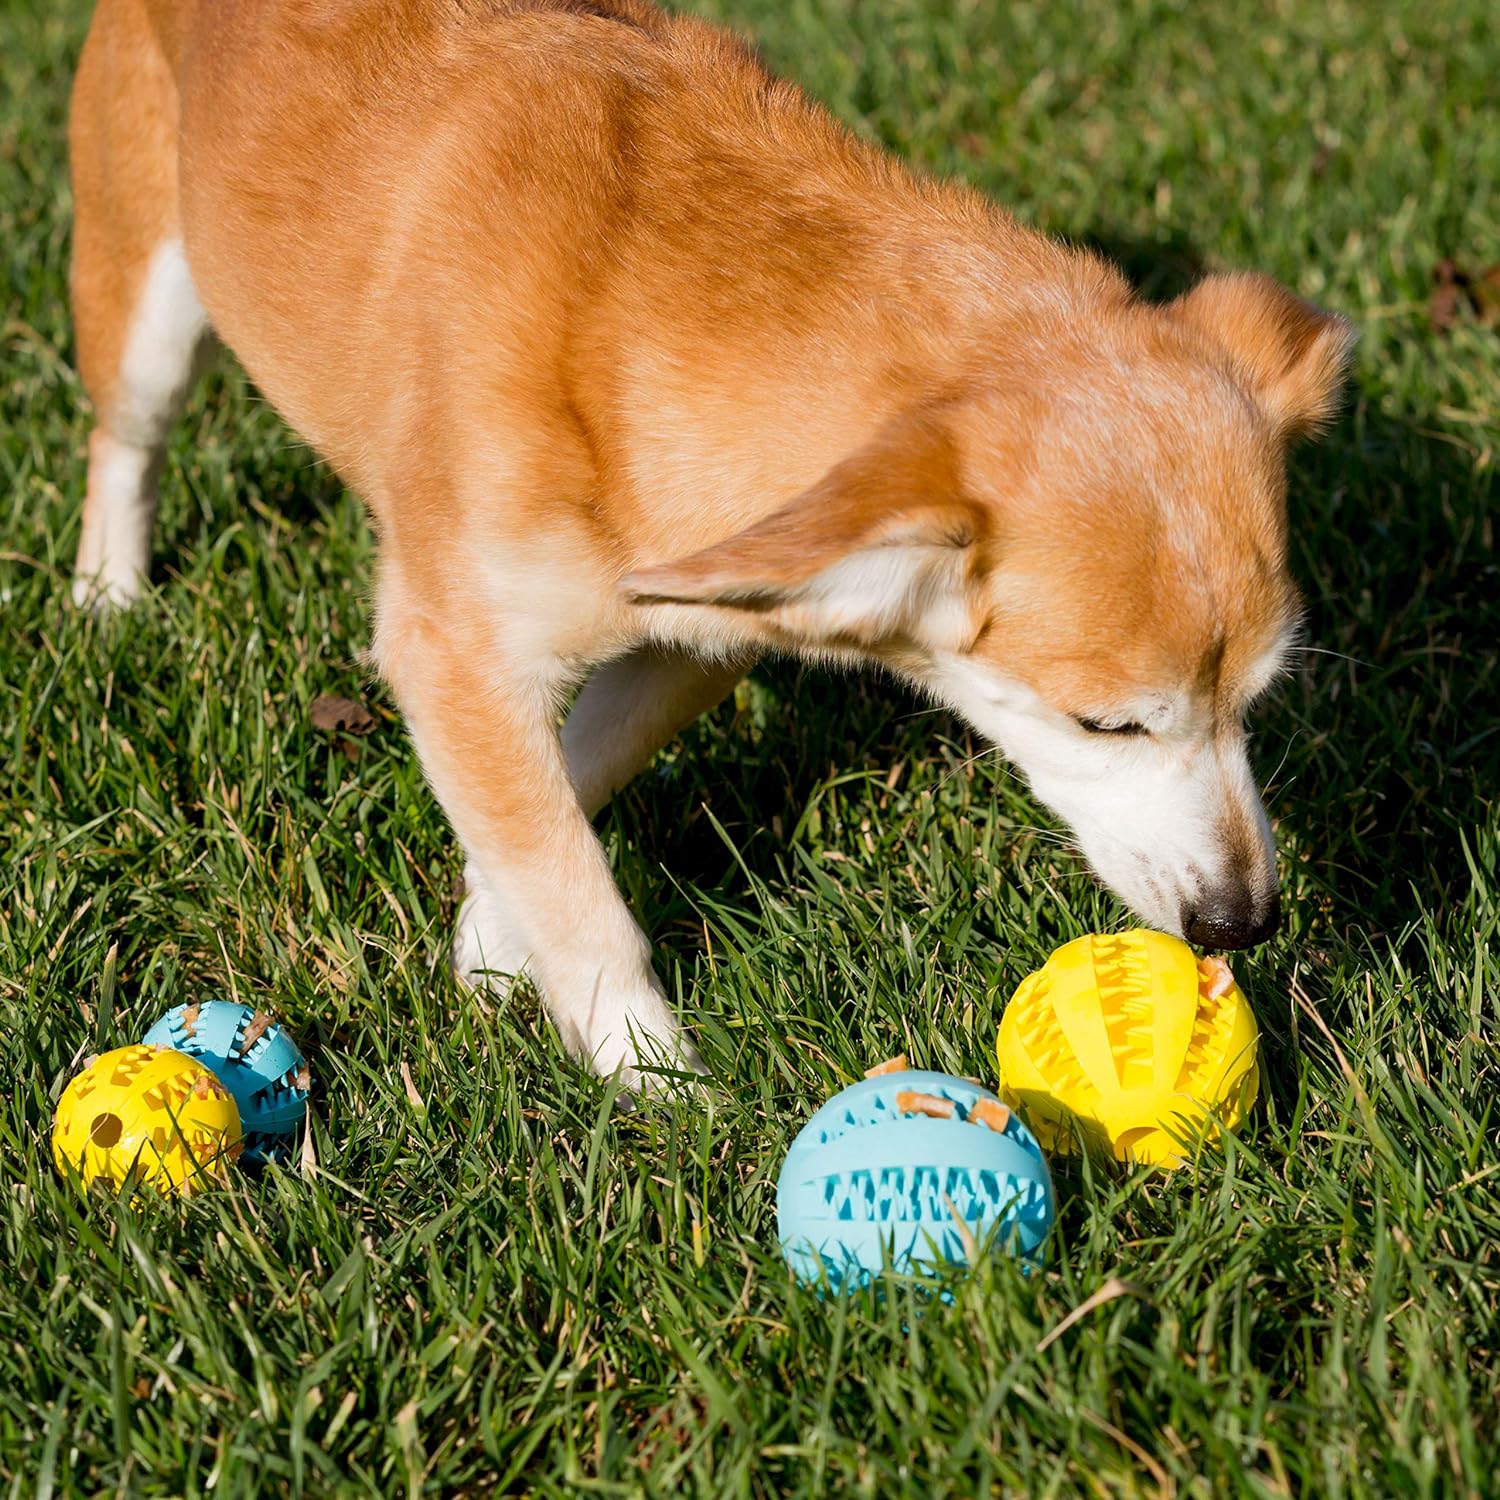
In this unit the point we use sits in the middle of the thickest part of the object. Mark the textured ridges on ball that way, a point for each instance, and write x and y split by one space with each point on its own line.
172 1092
1122 975
902 1195
990 1113
1208 1047
915 1168
876 1108
253 1058
148 1114
87 1081
297 1079
1047 1044
213 1150
1131 1040
128 1062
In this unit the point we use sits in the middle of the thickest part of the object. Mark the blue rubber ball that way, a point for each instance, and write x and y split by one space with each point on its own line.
254 1058
864 1180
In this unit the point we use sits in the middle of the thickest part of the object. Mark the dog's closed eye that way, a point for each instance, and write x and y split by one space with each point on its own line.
1097 726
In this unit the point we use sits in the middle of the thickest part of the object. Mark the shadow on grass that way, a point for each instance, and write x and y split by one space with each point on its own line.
1159 269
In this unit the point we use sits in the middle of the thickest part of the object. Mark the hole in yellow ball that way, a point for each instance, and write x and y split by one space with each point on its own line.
106 1129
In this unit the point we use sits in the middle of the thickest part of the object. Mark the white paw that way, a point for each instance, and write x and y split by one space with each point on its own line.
600 990
102 593
634 1033
489 948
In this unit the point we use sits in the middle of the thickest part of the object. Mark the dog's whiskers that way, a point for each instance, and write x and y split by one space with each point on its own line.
1271 779
1050 836
1324 651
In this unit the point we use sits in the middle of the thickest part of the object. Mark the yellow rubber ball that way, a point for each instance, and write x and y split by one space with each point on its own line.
150 1111
1131 1043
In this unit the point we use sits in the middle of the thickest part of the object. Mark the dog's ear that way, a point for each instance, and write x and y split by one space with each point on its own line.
1294 355
884 548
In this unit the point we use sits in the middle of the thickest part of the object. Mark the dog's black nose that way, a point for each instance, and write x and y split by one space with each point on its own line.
1231 925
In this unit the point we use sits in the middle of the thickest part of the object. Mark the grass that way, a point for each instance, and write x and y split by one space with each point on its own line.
495 1282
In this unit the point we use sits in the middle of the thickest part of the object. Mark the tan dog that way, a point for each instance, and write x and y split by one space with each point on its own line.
645 366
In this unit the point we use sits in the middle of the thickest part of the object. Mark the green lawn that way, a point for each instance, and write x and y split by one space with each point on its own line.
496 1282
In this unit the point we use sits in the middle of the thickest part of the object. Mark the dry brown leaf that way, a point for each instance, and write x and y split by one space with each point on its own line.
1459 293
1442 310
1111 1289
413 1095
346 715
965 1234
308 1158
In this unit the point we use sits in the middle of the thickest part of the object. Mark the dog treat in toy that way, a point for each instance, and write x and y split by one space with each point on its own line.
911 1167
147 1111
1129 1043
254 1058
991 1113
909 1102
895 1064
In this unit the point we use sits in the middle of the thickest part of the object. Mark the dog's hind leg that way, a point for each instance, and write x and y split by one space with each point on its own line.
140 328
630 708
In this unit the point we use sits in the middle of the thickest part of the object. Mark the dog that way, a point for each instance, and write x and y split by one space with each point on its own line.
645 366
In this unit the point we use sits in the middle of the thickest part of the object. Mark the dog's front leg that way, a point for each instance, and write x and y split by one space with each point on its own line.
541 892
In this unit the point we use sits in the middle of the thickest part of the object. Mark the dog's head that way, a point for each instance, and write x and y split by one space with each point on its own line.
1083 550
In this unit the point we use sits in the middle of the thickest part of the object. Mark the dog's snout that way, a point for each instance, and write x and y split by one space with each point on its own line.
1238 923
